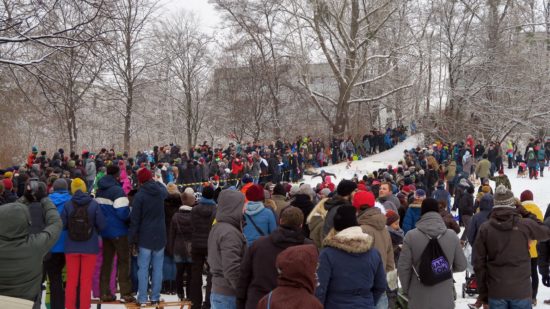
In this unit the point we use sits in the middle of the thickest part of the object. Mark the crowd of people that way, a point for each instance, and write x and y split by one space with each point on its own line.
228 223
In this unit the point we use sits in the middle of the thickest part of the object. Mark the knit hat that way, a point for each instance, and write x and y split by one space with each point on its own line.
346 187
8 184
60 184
526 195
255 193
189 190
8 175
325 192
362 187
419 194
34 149
428 205
78 184
362 199
144 175
486 189
503 197
247 179
172 188
391 217
345 217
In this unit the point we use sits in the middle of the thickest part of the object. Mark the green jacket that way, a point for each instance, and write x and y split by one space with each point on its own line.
502 180
21 253
483 169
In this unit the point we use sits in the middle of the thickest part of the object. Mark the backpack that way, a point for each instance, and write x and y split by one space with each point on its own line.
79 226
434 266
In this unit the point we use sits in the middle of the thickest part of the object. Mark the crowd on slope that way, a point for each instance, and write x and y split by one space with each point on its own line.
267 243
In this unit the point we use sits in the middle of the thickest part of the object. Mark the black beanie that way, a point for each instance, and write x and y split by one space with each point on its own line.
208 192
345 217
113 170
428 205
346 187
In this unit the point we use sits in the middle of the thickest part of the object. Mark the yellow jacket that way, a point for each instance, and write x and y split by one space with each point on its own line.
531 207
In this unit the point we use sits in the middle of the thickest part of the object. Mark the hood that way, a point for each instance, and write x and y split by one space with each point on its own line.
431 224
59 197
284 237
302 201
399 234
253 208
372 217
16 219
297 266
230 207
486 202
81 198
106 182
351 240
336 201
504 218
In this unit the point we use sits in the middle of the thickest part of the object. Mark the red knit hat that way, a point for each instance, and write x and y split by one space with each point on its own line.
144 175
255 193
526 195
363 198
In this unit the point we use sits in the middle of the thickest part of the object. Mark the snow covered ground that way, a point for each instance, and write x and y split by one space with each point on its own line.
382 160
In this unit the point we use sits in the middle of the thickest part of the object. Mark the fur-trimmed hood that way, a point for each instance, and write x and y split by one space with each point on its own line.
351 240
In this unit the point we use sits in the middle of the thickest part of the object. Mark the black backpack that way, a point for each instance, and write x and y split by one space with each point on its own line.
79 226
434 266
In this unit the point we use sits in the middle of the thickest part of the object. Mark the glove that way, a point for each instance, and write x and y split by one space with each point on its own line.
546 280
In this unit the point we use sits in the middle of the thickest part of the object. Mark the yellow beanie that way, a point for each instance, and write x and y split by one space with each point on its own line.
8 175
78 184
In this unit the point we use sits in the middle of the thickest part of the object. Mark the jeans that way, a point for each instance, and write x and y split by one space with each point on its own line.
510 303
134 274
149 258
382 302
120 247
220 301
80 269
54 269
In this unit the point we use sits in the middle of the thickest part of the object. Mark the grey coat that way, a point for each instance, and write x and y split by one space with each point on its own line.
441 294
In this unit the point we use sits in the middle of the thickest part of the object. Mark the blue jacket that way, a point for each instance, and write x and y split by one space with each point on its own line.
114 205
411 217
442 195
59 198
91 246
350 273
147 227
263 218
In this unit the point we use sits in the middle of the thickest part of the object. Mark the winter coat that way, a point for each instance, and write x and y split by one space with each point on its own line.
59 198
502 180
315 226
531 162
467 163
303 201
543 249
411 216
351 272
262 217
396 241
449 221
147 226
258 271
442 195
90 170
373 222
202 217
502 262
115 207
533 208
390 202
296 282
21 253
439 295
181 229
95 218
226 243
450 171
171 206
331 205
483 169
485 208
281 202
466 205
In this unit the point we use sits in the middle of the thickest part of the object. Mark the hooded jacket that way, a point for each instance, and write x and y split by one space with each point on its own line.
95 217
412 216
390 202
296 281
502 262
373 222
181 229
304 202
485 208
202 216
21 254
331 206
258 271
281 202
483 169
59 198
263 218
147 226
114 205
351 273
440 295
226 243
533 208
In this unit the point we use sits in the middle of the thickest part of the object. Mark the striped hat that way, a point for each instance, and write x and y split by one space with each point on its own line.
503 198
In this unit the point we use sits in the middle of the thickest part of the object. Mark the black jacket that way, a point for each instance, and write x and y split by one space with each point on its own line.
305 204
202 217
466 205
181 231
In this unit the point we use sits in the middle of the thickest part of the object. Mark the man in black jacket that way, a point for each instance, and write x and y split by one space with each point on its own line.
258 271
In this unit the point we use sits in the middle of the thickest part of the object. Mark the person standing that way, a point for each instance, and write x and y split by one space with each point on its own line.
502 262
82 218
526 199
226 248
147 234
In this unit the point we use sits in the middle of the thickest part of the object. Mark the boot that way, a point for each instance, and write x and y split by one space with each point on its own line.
164 289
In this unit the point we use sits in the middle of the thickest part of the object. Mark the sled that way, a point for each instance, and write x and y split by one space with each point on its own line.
162 305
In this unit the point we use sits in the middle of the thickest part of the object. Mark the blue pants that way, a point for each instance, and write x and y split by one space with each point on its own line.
510 303
149 258
382 302
219 301
168 268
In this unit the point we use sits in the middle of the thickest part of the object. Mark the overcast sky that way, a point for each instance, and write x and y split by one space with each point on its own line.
204 10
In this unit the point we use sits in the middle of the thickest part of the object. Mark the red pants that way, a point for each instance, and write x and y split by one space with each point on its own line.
79 266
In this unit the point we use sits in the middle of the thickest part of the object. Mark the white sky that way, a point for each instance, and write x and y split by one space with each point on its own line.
205 11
